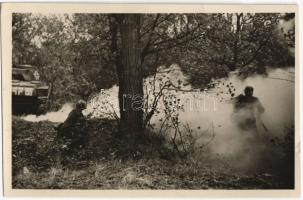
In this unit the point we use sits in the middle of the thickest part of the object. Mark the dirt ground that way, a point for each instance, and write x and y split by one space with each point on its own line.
38 165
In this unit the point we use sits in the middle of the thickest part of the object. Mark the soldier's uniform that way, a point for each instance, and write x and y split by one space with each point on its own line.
72 131
247 108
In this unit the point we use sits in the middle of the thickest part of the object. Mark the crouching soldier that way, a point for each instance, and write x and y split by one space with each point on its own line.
72 132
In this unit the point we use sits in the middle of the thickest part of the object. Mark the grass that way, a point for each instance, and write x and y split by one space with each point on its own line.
140 174
36 165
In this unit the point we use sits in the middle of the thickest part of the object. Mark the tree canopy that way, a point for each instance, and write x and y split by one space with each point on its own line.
78 53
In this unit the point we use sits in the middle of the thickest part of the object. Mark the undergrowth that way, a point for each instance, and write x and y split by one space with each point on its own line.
106 164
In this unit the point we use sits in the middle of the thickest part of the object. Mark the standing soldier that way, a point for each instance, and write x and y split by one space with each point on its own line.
247 110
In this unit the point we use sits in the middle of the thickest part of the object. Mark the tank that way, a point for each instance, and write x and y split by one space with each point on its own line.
29 94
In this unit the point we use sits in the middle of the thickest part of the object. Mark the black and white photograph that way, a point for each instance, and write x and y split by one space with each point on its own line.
153 101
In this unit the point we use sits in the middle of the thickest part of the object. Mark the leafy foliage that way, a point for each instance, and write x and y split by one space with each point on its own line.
79 54
76 54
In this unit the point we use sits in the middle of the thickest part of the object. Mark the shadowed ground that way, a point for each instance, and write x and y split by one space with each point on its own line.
103 165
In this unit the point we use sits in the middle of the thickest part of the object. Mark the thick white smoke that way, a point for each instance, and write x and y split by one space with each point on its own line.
210 112
58 116
275 92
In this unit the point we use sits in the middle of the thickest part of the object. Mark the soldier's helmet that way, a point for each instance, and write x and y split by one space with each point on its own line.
81 105
249 91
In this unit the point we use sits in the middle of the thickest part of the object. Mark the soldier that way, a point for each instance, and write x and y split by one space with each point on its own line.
247 110
72 130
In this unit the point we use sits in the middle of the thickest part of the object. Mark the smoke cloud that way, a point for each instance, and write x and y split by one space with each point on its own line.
242 149
210 113
58 116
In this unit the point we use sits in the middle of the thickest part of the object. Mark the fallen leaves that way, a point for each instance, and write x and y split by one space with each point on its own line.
35 165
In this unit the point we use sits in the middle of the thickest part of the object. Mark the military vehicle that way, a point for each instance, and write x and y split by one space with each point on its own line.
29 94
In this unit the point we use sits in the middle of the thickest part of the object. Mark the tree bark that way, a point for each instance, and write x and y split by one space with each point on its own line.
130 77
236 42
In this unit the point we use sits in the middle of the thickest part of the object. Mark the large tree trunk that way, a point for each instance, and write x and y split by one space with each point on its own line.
130 77
236 42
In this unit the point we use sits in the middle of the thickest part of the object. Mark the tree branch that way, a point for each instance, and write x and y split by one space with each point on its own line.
257 51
